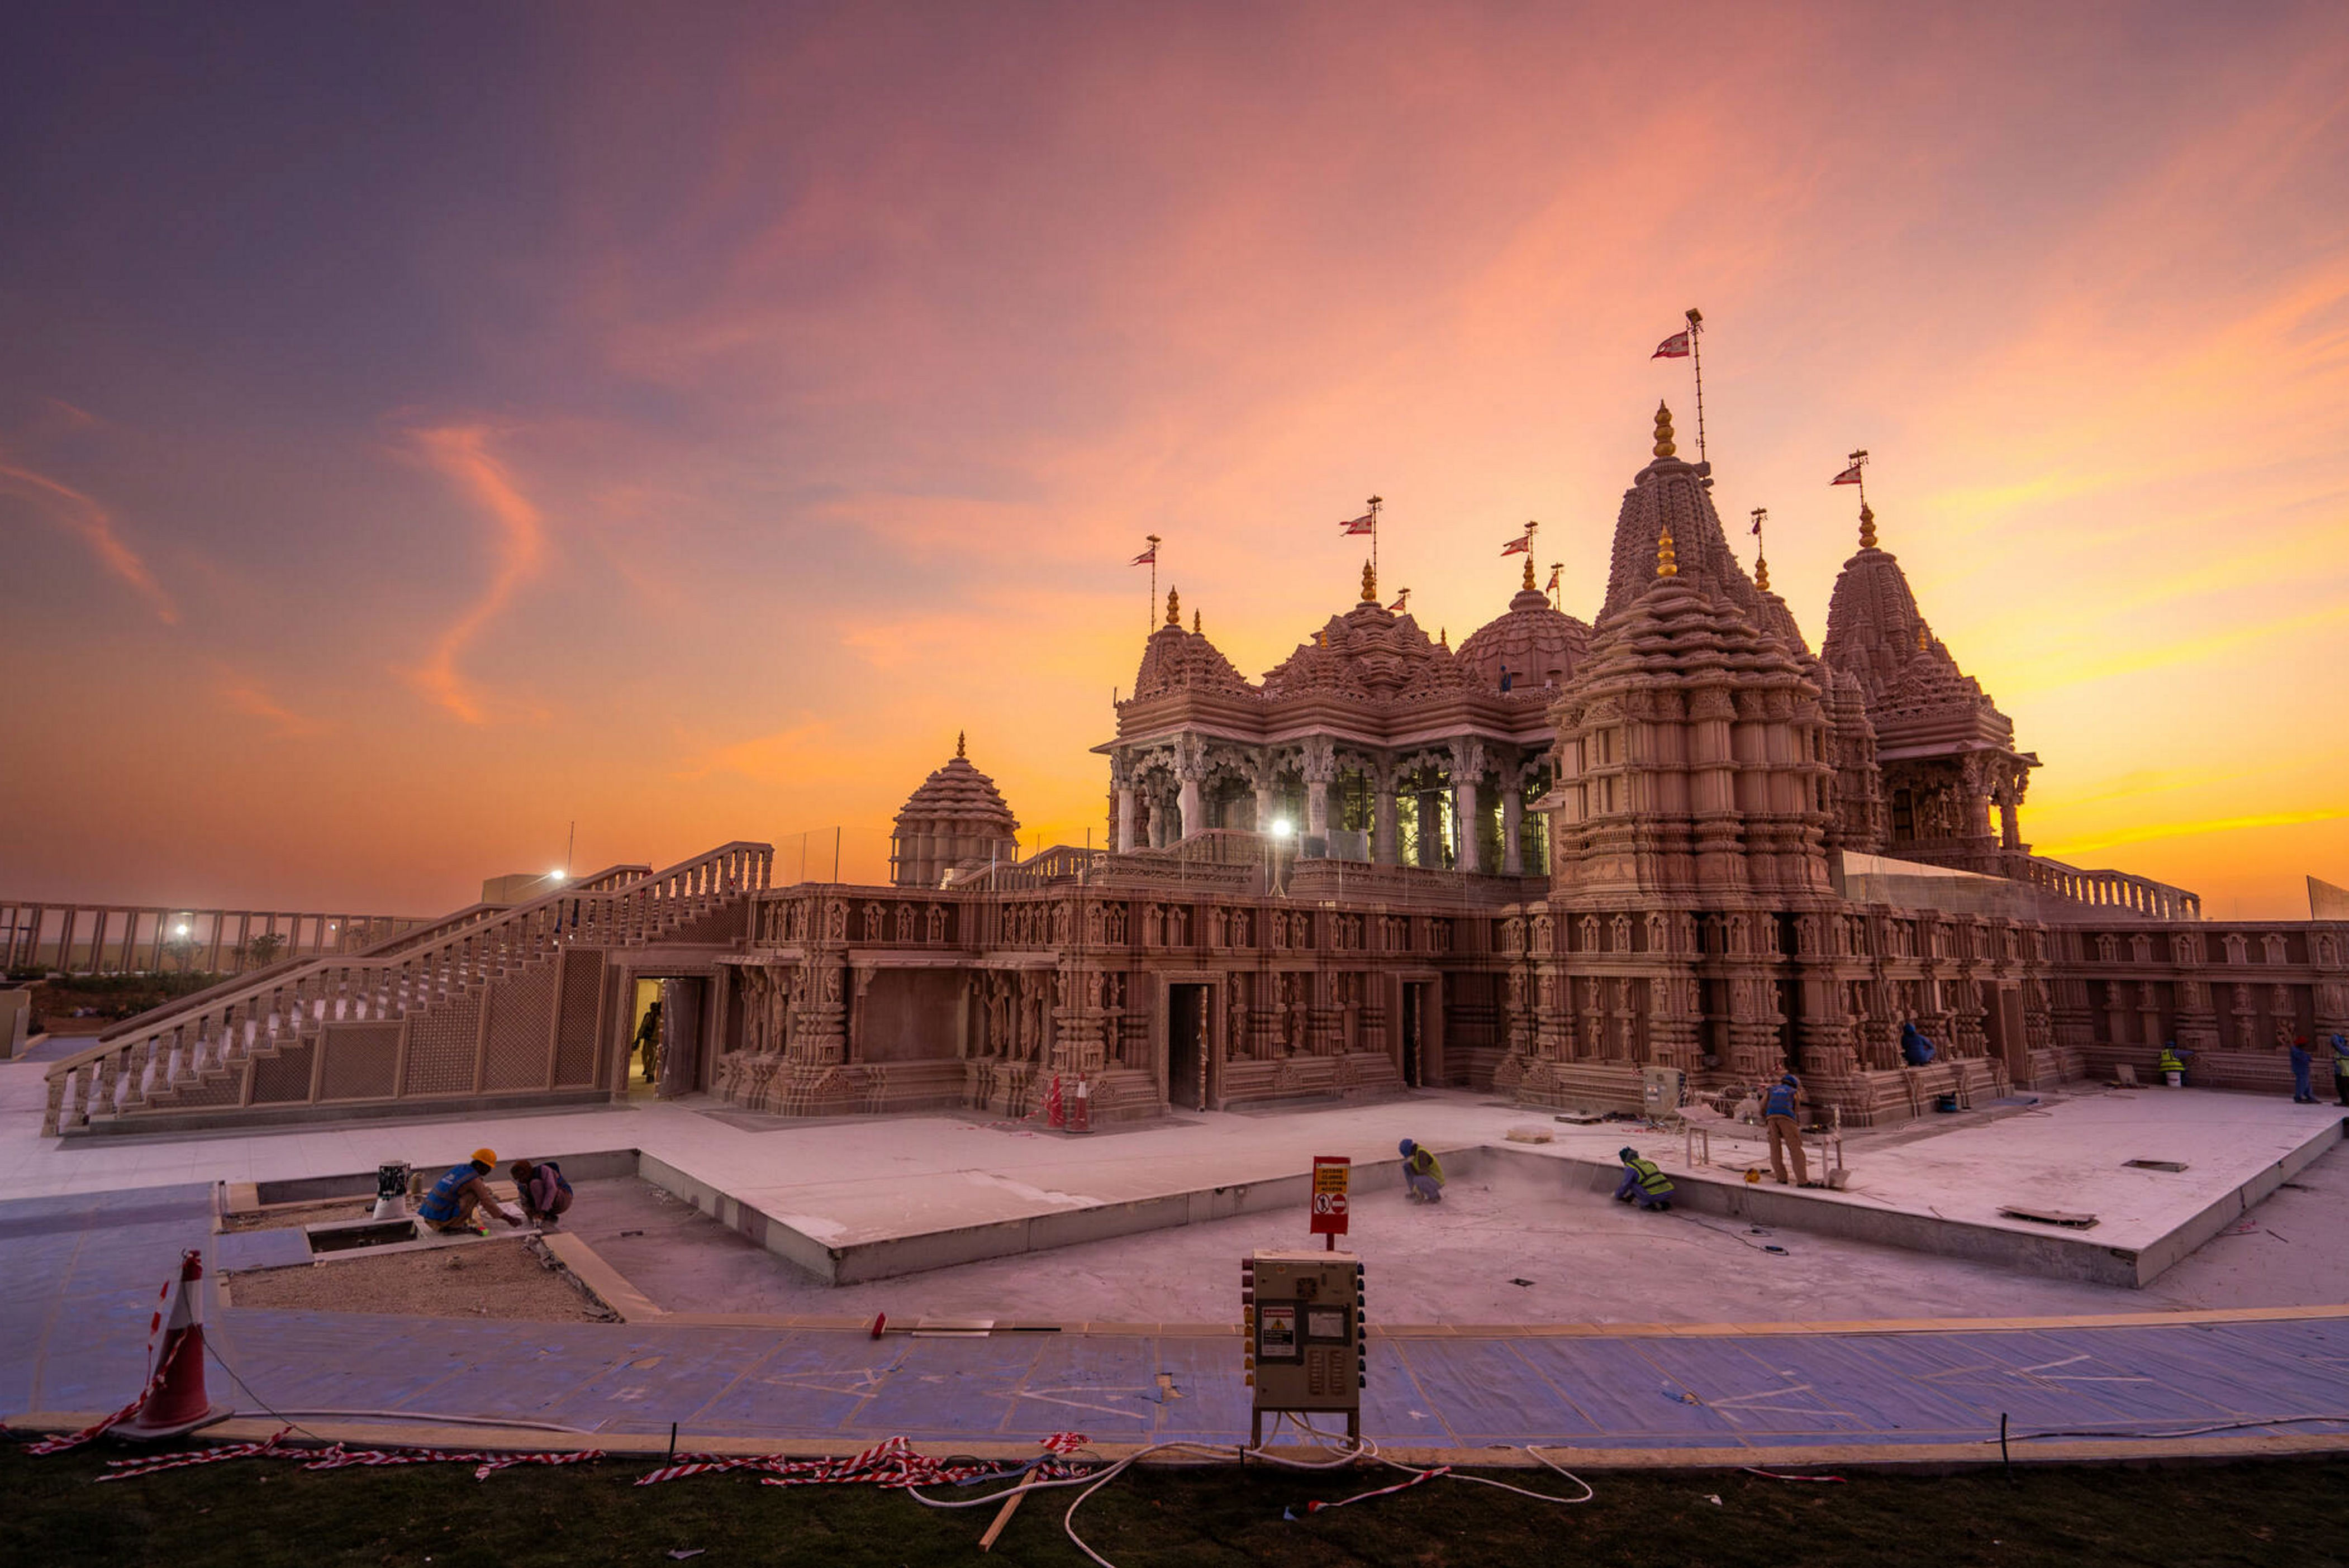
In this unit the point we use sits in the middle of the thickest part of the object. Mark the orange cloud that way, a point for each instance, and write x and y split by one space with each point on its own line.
2187 830
780 757
89 520
460 453
249 697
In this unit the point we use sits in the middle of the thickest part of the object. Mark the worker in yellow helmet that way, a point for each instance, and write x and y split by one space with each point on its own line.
449 1207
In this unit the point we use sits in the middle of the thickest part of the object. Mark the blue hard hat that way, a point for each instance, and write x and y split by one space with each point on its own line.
1791 1082
1626 1152
1405 1146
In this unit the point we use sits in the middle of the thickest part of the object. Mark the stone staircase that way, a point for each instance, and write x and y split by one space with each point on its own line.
262 1040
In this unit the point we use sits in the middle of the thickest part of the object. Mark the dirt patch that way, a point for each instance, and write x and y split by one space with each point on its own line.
500 1279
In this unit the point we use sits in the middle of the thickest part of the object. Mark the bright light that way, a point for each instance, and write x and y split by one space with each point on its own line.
179 930
1283 827
554 876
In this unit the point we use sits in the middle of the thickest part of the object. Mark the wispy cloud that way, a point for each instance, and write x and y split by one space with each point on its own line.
461 454
85 517
2153 830
781 756
249 697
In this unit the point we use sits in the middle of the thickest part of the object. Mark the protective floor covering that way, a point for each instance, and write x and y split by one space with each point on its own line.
79 1278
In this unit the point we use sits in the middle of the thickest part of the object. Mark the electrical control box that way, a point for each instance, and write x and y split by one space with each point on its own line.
1663 1092
1303 1315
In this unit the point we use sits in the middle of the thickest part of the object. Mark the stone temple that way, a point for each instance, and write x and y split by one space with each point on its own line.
1536 866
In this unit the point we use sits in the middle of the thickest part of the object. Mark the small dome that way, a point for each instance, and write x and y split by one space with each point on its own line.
1367 653
1175 660
1537 646
956 815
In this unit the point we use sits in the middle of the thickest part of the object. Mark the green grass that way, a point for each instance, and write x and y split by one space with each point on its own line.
262 1513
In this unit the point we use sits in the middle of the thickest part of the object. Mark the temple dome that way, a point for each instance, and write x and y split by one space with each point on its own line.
1175 660
956 816
1916 693
1369 652
1537 644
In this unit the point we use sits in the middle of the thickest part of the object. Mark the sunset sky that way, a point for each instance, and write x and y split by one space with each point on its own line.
423 425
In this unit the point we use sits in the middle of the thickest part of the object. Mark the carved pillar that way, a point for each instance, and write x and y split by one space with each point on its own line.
1385 848
1512 816
1467 769
1321 768
1125 819
1191 768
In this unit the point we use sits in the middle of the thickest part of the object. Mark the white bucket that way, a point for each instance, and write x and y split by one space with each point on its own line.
2175 1081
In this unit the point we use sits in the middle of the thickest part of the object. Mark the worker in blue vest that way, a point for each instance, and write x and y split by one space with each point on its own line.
2304 1092
543 1190
1780 1108
1643 1182
1916 1049
1422 1176
449 1207
2172 1065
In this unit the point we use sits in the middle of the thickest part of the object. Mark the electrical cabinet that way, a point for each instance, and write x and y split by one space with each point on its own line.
1303 1316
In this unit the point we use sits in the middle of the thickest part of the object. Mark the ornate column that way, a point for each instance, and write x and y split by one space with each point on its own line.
1191 768
1512 816
1384 847
1321 768
1125 819
1468 769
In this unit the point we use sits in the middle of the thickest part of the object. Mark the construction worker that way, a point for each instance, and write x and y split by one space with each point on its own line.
647 1040
1643 1182
544 1191
1423 1175
2303 1091
1778 1111
2172 1065
2341 1068
449 1207
1916 1049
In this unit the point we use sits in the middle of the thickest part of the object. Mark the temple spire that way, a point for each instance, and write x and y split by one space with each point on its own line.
1867 527
1370 583
1664 448
1667 564
1175 609
1194 622
961 736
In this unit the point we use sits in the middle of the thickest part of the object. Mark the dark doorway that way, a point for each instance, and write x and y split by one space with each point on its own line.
1186 1046
1414 1014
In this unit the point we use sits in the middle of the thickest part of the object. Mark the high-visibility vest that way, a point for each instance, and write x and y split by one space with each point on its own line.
1422 1162
439 1205
2170 1062
1652 1181
1781 1102
2339 1065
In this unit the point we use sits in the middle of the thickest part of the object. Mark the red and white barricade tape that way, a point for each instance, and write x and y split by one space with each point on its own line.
890 1463
337 1457
154 1381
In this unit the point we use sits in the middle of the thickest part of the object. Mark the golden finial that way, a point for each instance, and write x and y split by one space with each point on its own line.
1922 639
1867 527
1442 638
1667 563
1530 571
1321 638
1194 622
960 737
1370 584
1664 448
1761 573
1174 609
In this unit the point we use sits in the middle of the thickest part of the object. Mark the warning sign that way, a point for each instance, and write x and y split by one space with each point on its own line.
1332 1173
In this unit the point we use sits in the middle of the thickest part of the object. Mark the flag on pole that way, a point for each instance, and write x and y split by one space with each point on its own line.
1850 476
1396 608
1363 524
1147 558
1756 530
1520 545
1676 346
1555 573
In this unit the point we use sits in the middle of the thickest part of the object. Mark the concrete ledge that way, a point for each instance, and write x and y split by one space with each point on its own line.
2053 1254
235 1119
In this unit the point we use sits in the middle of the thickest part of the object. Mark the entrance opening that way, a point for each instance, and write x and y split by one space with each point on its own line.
1415 1010
1186 1046
664 1038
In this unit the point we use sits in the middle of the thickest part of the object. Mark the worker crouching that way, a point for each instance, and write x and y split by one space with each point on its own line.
1423 1175
449 1207
1643 1181
543 1190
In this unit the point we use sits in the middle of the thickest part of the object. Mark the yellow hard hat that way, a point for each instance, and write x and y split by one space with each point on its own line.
485 1157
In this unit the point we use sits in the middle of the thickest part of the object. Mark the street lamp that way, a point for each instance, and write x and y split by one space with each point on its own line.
1281 830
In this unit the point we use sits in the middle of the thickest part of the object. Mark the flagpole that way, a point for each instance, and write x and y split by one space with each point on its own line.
1696 358
1859 461
1376 502
1150 614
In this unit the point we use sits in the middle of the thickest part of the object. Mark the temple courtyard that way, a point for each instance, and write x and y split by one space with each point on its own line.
728 1271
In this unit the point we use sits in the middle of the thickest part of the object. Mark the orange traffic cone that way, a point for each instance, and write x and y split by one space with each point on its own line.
175 1402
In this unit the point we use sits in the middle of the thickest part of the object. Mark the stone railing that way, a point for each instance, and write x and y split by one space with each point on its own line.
1060 863
203 1046
2104 892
